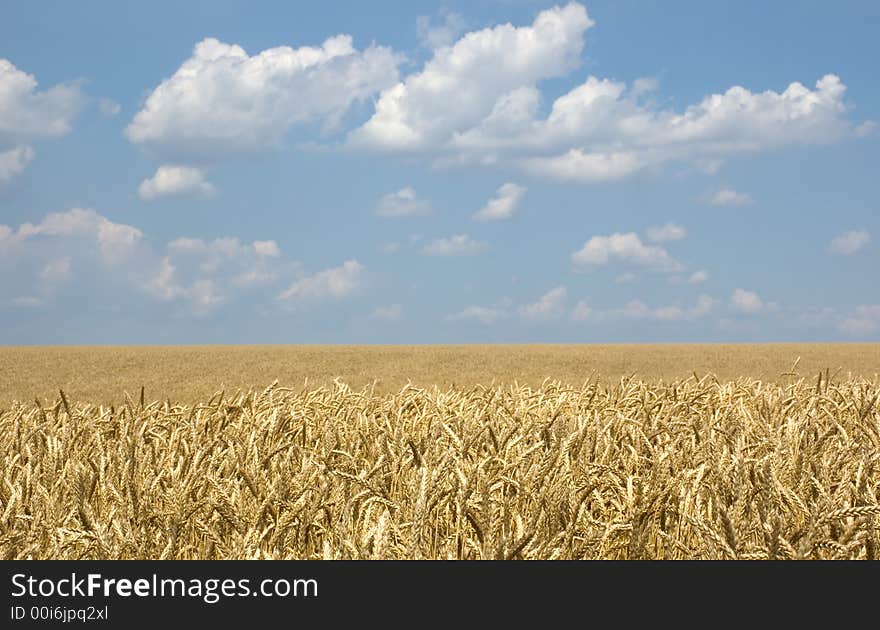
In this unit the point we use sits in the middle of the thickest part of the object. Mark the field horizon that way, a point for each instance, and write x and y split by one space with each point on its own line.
104 374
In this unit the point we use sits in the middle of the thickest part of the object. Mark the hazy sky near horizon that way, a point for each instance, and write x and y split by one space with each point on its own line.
422 172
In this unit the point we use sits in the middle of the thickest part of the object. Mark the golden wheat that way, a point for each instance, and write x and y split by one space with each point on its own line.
690 469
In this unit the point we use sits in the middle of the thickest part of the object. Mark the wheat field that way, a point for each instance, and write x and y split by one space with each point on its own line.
695 468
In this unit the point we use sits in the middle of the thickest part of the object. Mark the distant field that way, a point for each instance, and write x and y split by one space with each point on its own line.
770 460
185 374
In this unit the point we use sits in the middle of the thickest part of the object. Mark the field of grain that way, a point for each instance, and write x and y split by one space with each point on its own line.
699 467
103 374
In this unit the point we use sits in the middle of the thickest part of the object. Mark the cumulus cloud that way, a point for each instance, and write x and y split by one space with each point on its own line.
403 203
333 283
458 245
442 32
205 274
462 84
503 205
28 113
13 162
482 314
665 233
849 242
730 197
114 240
549 306
746 301
81 245
223 101
478 101
175 181
627 248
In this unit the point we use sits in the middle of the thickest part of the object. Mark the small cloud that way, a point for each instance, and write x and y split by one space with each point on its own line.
665 233
503 205
549 306
173 181
626 278
698 277
600 250
636 309
268 249
334 283
403 203
109 107
730 197
13 162
460 244
644 85
442 33
746 301
391 312
864 321
389 248
481 314
849 242
865 129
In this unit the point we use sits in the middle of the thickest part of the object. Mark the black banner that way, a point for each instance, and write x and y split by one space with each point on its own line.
235 593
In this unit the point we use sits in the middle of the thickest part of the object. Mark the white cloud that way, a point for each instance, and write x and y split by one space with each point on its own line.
198 274
13 162
222 100
458 245
698 277
481 314
26 112
462 84
850 242
503 205
629 248
392 312
443 32
746 301
206 274
864 321
267 248
665 233
626 278
175 181
477 101
109 107
115 240
549 306
576 165
403 203
636 309
333 283
730 197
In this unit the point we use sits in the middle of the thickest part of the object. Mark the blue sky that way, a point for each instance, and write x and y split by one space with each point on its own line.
486 171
